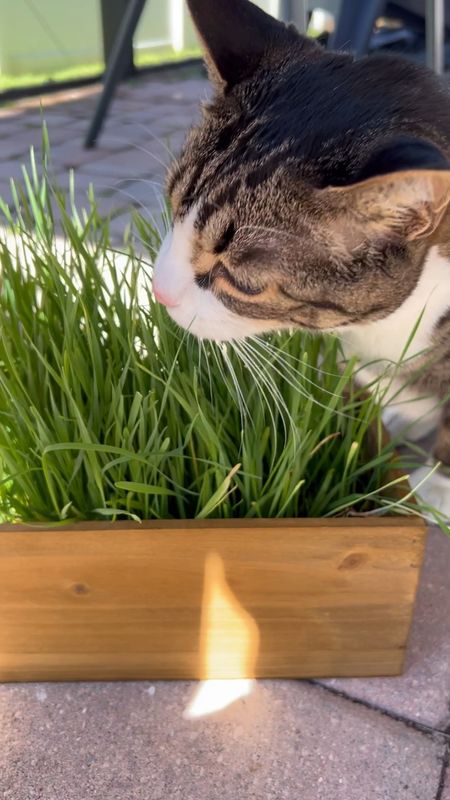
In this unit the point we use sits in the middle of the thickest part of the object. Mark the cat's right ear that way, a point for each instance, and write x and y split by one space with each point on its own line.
239 37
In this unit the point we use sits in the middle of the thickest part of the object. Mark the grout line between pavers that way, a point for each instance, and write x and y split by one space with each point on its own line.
421 727
444 770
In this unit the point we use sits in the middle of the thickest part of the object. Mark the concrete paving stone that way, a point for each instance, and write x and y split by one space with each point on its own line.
18 145
73 154
162 111
148 200
422 694
178 95
108 205
160 91
175 141
156 147
128 141
119 226
125 107
81 109
145 134
164 128
102 186
5 191
130 164
285 741
11 126
148 126
146 192
115 194
13 168
446 788
128 132
52 118
79 124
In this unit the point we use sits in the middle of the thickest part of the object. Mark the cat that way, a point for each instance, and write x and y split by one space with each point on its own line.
315 193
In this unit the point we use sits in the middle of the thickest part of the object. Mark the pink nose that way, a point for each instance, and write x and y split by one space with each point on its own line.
164 299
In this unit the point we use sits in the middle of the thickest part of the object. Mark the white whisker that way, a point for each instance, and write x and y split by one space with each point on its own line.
262 382
243 408
291 372
282 407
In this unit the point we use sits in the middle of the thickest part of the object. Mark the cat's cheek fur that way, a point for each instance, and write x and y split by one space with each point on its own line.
206 317
194 309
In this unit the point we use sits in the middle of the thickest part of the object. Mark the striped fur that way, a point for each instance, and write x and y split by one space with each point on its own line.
313 193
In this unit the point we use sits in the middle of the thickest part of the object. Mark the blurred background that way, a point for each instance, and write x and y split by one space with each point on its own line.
48 41
118 83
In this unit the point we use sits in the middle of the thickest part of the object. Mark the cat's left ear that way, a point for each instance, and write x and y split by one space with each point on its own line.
402 193
239 38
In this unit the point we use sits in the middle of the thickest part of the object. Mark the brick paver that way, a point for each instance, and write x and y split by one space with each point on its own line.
146 126
445 794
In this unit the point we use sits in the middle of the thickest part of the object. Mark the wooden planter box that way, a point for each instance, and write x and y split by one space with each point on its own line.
225 599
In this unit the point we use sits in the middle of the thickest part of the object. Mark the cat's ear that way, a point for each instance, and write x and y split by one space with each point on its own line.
238 37
397 207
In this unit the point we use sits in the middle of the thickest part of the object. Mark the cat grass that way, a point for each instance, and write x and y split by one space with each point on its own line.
108 410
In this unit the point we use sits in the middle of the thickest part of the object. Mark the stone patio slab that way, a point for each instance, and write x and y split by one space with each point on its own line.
131 742
423 692
445 795
71 154
132 163
17 145
13 168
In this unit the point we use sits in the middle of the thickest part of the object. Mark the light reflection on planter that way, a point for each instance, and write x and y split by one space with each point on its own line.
229 644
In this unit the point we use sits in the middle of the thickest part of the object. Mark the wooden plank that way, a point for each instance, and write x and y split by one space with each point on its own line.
303 598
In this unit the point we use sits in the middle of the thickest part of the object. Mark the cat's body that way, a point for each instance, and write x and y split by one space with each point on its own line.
392 341
315 193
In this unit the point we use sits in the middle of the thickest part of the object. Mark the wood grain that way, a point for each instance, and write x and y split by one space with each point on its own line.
303 598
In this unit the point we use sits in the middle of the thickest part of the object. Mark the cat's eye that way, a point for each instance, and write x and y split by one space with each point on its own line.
245 289
226 239
219 270
236 284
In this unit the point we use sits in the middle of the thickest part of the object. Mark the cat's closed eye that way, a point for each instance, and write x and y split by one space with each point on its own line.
206 281
225 239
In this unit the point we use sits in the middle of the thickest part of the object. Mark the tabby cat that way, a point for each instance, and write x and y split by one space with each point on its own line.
315 193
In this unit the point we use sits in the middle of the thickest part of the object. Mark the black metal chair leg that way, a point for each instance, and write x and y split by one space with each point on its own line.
355 25
435 35
115 68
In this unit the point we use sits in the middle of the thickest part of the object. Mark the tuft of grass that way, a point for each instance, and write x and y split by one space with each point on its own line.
108 410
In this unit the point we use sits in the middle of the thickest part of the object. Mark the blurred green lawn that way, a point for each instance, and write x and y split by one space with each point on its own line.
143 59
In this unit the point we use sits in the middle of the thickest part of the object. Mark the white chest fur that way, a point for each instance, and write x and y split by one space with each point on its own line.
385 343
388 338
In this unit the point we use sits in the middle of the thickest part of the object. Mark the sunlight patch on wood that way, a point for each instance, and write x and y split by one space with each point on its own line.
229 644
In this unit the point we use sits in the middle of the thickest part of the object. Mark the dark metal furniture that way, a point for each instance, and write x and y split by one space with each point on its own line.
354 28
118 65
353 32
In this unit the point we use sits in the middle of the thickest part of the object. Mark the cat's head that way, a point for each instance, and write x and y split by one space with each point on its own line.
311 190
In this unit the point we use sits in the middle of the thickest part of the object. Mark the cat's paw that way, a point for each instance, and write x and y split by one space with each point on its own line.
433 489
